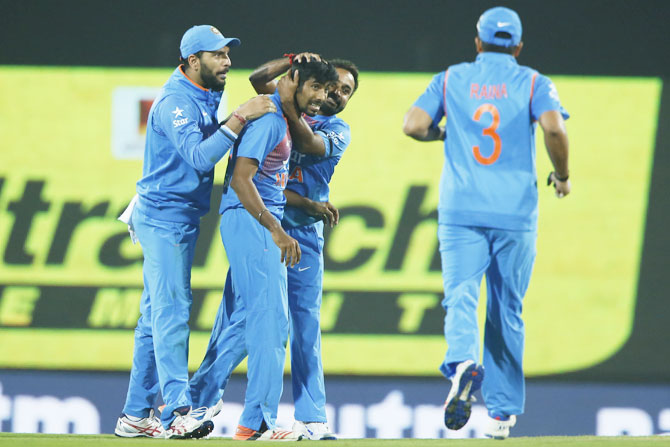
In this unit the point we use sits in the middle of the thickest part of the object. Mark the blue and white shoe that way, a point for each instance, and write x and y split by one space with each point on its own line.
315 431
498 427
191 425
466 381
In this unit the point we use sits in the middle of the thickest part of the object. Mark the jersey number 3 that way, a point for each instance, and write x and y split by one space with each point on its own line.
488 132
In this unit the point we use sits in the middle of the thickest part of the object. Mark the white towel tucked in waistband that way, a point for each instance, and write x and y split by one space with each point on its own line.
125 218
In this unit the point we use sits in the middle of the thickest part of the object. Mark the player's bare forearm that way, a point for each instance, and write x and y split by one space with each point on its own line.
556 141
306 141
263 78
419 125
294 199
557 147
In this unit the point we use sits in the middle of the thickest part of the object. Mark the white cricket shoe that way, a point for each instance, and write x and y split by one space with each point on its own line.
213 411
316 431
247 434
280 435
190 425
133 427
499 429
466 380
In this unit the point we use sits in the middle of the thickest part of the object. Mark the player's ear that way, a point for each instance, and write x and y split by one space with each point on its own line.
518 49
194 62
478 44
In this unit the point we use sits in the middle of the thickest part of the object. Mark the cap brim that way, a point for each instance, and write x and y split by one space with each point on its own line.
232 42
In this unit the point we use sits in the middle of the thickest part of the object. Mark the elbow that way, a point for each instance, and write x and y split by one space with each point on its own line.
556 133
412 130
235 183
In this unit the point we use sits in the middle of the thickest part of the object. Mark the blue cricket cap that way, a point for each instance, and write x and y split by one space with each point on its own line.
500 20
204 38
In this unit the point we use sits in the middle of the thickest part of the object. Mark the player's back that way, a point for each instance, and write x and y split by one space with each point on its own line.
489 175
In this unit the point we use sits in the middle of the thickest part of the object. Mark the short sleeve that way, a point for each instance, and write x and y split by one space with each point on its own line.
336 138
432 99
545 98
261 136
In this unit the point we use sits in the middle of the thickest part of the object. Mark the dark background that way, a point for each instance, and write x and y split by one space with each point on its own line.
591 37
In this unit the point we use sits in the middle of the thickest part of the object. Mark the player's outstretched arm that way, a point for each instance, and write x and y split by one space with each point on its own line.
419 125
556 142
242 183
250 110
263 78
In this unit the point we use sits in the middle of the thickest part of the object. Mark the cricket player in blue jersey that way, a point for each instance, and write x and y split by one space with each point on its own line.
253 317
318 145
488 209
184 141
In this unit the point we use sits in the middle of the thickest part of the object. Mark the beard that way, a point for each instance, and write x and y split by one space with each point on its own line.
210 80
329 110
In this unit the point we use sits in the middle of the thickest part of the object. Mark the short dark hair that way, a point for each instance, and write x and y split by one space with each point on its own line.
184 61
493 48
349 66
321 71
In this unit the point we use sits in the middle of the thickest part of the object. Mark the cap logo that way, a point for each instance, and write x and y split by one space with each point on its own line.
216 31
501 24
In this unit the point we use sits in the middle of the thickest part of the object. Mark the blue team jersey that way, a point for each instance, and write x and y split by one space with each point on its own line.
182 147
491 105
310 174
267 141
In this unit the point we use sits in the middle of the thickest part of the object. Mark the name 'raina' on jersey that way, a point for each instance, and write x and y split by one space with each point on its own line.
485 91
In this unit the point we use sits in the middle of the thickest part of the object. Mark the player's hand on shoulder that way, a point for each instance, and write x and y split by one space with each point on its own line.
256 107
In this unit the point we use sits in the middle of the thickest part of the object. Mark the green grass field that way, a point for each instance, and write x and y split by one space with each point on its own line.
31 440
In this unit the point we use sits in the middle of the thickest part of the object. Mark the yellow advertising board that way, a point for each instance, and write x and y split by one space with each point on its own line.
71 280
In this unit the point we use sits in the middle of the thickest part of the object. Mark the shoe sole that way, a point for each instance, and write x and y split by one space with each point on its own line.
133 435
206 428
457 411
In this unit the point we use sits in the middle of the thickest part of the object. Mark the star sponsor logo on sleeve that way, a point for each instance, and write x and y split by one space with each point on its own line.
179 113
336 137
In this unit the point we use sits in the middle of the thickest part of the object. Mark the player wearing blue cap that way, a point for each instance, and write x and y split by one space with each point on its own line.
253 317
184 141
488 209
318 145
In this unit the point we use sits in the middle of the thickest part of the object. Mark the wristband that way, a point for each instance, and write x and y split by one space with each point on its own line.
561 179
290 57
261 213
240 118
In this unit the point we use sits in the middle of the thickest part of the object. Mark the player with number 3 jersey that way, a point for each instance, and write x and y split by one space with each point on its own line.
488 209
